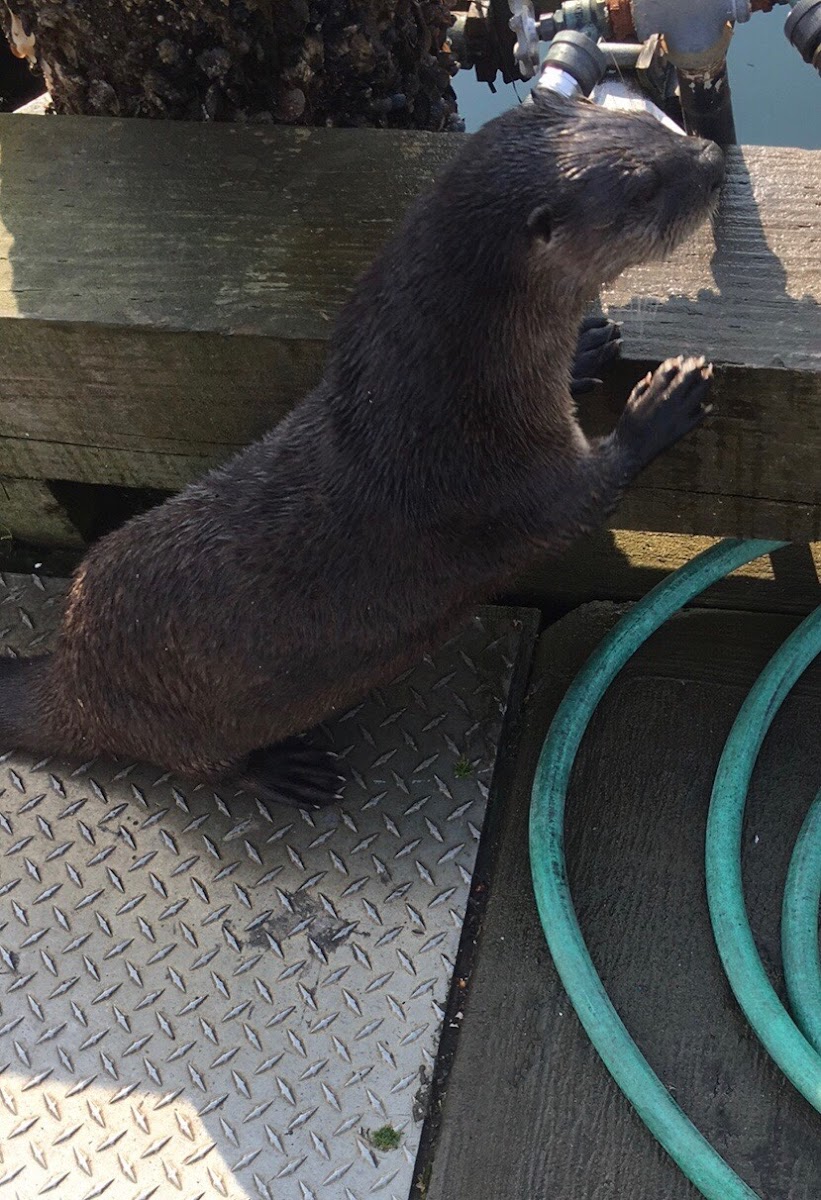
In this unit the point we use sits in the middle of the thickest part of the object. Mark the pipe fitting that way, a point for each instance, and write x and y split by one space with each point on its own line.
803 29
696 35
706 104
582 16
574 64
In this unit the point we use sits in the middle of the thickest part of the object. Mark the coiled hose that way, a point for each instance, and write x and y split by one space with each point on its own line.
796 1050
799 928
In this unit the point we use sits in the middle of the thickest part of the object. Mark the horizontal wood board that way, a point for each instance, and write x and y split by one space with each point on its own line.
167 291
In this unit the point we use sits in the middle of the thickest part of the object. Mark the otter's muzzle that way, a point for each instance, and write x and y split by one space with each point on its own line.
711 154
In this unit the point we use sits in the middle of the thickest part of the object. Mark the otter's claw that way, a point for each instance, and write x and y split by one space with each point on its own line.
294 773
665 406
599 344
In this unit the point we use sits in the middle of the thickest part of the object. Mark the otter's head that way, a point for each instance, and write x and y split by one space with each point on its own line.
588 192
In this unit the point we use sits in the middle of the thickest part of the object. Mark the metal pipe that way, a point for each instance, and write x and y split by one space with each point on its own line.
697 33
574 65
696 37
624 55
706 104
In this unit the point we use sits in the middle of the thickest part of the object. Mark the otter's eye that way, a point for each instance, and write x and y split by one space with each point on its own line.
648 187
540 223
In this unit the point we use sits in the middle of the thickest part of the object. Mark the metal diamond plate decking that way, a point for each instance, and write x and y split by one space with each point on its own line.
202 996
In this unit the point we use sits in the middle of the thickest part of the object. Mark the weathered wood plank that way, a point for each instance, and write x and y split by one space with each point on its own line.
230 229
196 227
530 1112
30 513
89 392
166 293
623 565
751 469
749 293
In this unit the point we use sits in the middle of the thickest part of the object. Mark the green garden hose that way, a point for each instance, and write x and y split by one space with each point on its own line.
697 1159
779 1034
799 927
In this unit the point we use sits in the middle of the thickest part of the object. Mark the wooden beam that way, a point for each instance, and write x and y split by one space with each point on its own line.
167 291
623 565
29 512
748 293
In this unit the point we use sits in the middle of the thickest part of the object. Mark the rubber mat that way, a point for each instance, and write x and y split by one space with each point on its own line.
206 996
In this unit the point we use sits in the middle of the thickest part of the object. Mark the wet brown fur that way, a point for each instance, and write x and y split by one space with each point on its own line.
438 455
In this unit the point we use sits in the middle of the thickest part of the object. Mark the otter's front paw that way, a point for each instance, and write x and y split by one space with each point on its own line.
664 407
599 344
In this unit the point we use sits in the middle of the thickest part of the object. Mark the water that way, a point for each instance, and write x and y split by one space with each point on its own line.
776 96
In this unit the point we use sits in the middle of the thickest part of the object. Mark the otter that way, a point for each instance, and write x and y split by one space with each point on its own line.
438 455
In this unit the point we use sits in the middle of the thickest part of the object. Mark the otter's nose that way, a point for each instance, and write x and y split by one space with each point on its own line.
712 158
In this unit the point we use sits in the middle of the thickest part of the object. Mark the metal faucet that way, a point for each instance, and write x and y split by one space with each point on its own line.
691 36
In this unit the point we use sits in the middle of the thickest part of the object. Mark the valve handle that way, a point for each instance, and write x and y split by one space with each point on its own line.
523 24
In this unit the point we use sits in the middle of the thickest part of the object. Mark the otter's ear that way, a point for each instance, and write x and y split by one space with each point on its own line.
540 222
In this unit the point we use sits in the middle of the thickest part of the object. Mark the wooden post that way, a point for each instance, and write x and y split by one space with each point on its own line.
351 63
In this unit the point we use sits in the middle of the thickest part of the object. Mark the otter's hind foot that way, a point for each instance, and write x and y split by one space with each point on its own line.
599 344
293 773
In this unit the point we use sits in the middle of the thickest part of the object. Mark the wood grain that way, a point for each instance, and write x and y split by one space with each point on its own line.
530 1112
748 292
624 565
30 513
167 291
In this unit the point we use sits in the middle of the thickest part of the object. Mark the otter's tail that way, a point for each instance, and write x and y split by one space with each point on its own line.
22 721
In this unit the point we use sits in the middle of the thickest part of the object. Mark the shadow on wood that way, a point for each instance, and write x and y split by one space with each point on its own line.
755 311
623 565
